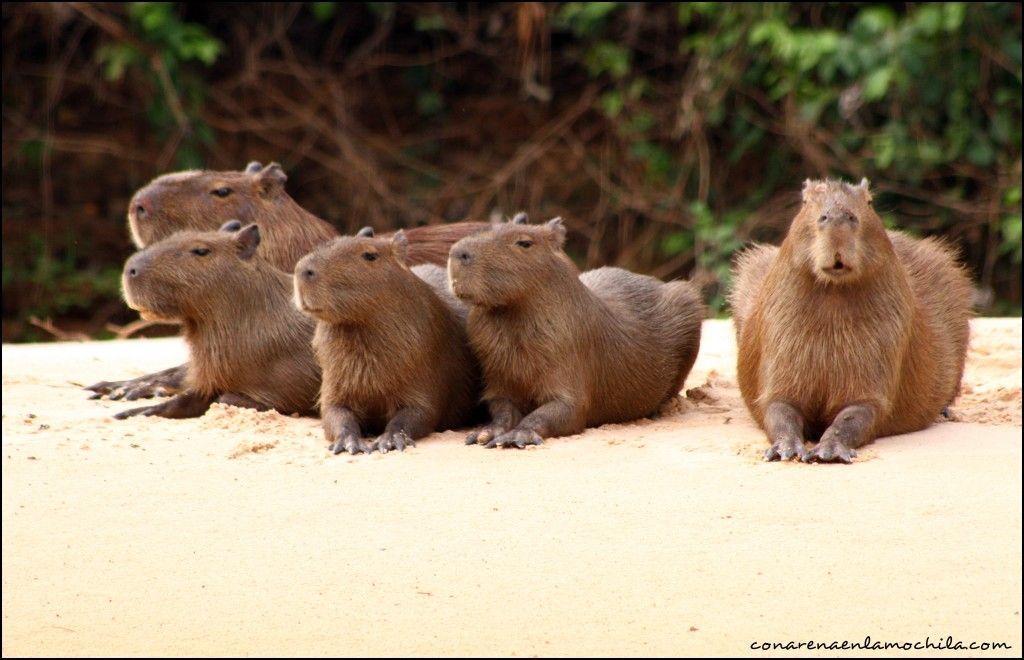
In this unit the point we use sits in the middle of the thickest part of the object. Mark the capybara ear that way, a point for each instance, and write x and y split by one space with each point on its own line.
806 192
400 245
864 188
520 218
231 226
271 179
365 232
253 167
557 230
247 240
811 186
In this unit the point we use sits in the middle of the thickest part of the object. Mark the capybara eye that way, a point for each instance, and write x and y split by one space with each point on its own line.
524 243
370 256
200 252
221 192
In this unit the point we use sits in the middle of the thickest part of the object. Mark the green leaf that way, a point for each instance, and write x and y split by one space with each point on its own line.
323 11
429 22
611 103
980 152
429 103
608 57
877 83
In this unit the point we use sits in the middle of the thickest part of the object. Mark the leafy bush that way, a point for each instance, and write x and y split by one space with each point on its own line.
667 135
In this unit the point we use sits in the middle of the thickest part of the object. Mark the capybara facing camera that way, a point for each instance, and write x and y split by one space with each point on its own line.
847 332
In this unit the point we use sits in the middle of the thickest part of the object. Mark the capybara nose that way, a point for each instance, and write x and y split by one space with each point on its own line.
133 267
142 206
838 215
464 257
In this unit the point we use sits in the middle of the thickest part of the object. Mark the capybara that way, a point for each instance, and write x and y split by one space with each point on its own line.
564 349
202 200
847 332
248 345
391 342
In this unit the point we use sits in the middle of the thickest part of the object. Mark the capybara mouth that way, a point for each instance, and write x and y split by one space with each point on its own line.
306 307
837 269
150 315
461 293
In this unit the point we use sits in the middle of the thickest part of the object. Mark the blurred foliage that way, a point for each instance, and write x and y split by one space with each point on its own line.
157 46
668 135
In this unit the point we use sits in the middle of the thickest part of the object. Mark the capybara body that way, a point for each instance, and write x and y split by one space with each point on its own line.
847 332
564 349
248 345
391 342
203 200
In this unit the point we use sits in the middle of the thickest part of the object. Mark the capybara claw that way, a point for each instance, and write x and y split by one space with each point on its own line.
484 436
132 412
392 440
162 383
519 439
783 450
830 452
350 444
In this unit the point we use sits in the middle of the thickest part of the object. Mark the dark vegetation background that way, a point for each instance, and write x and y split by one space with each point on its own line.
667 135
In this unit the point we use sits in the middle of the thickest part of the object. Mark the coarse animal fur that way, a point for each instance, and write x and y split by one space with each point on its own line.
391 342
247 344
203 200
847 332
564 349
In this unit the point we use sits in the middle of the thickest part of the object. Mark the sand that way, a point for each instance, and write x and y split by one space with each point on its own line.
237 533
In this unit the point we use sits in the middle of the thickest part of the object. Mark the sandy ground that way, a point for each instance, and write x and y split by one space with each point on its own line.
237 533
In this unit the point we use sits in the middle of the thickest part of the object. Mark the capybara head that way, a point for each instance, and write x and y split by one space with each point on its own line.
191 272
203 200
344 280
837 232
502 265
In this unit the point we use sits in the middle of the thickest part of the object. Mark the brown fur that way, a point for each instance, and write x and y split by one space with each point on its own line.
245 338
570 350
390 341
847 331
189 201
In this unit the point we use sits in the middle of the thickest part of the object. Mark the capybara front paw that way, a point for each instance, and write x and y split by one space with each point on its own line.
133 412
519 438
353 444
830 451
784 449
485 434
390 440
144 387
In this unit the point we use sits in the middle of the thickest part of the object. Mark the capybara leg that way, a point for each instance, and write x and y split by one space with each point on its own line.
242 401
180 406
850 429
341 428
553 418
504 415
403 429
785 428
163 383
